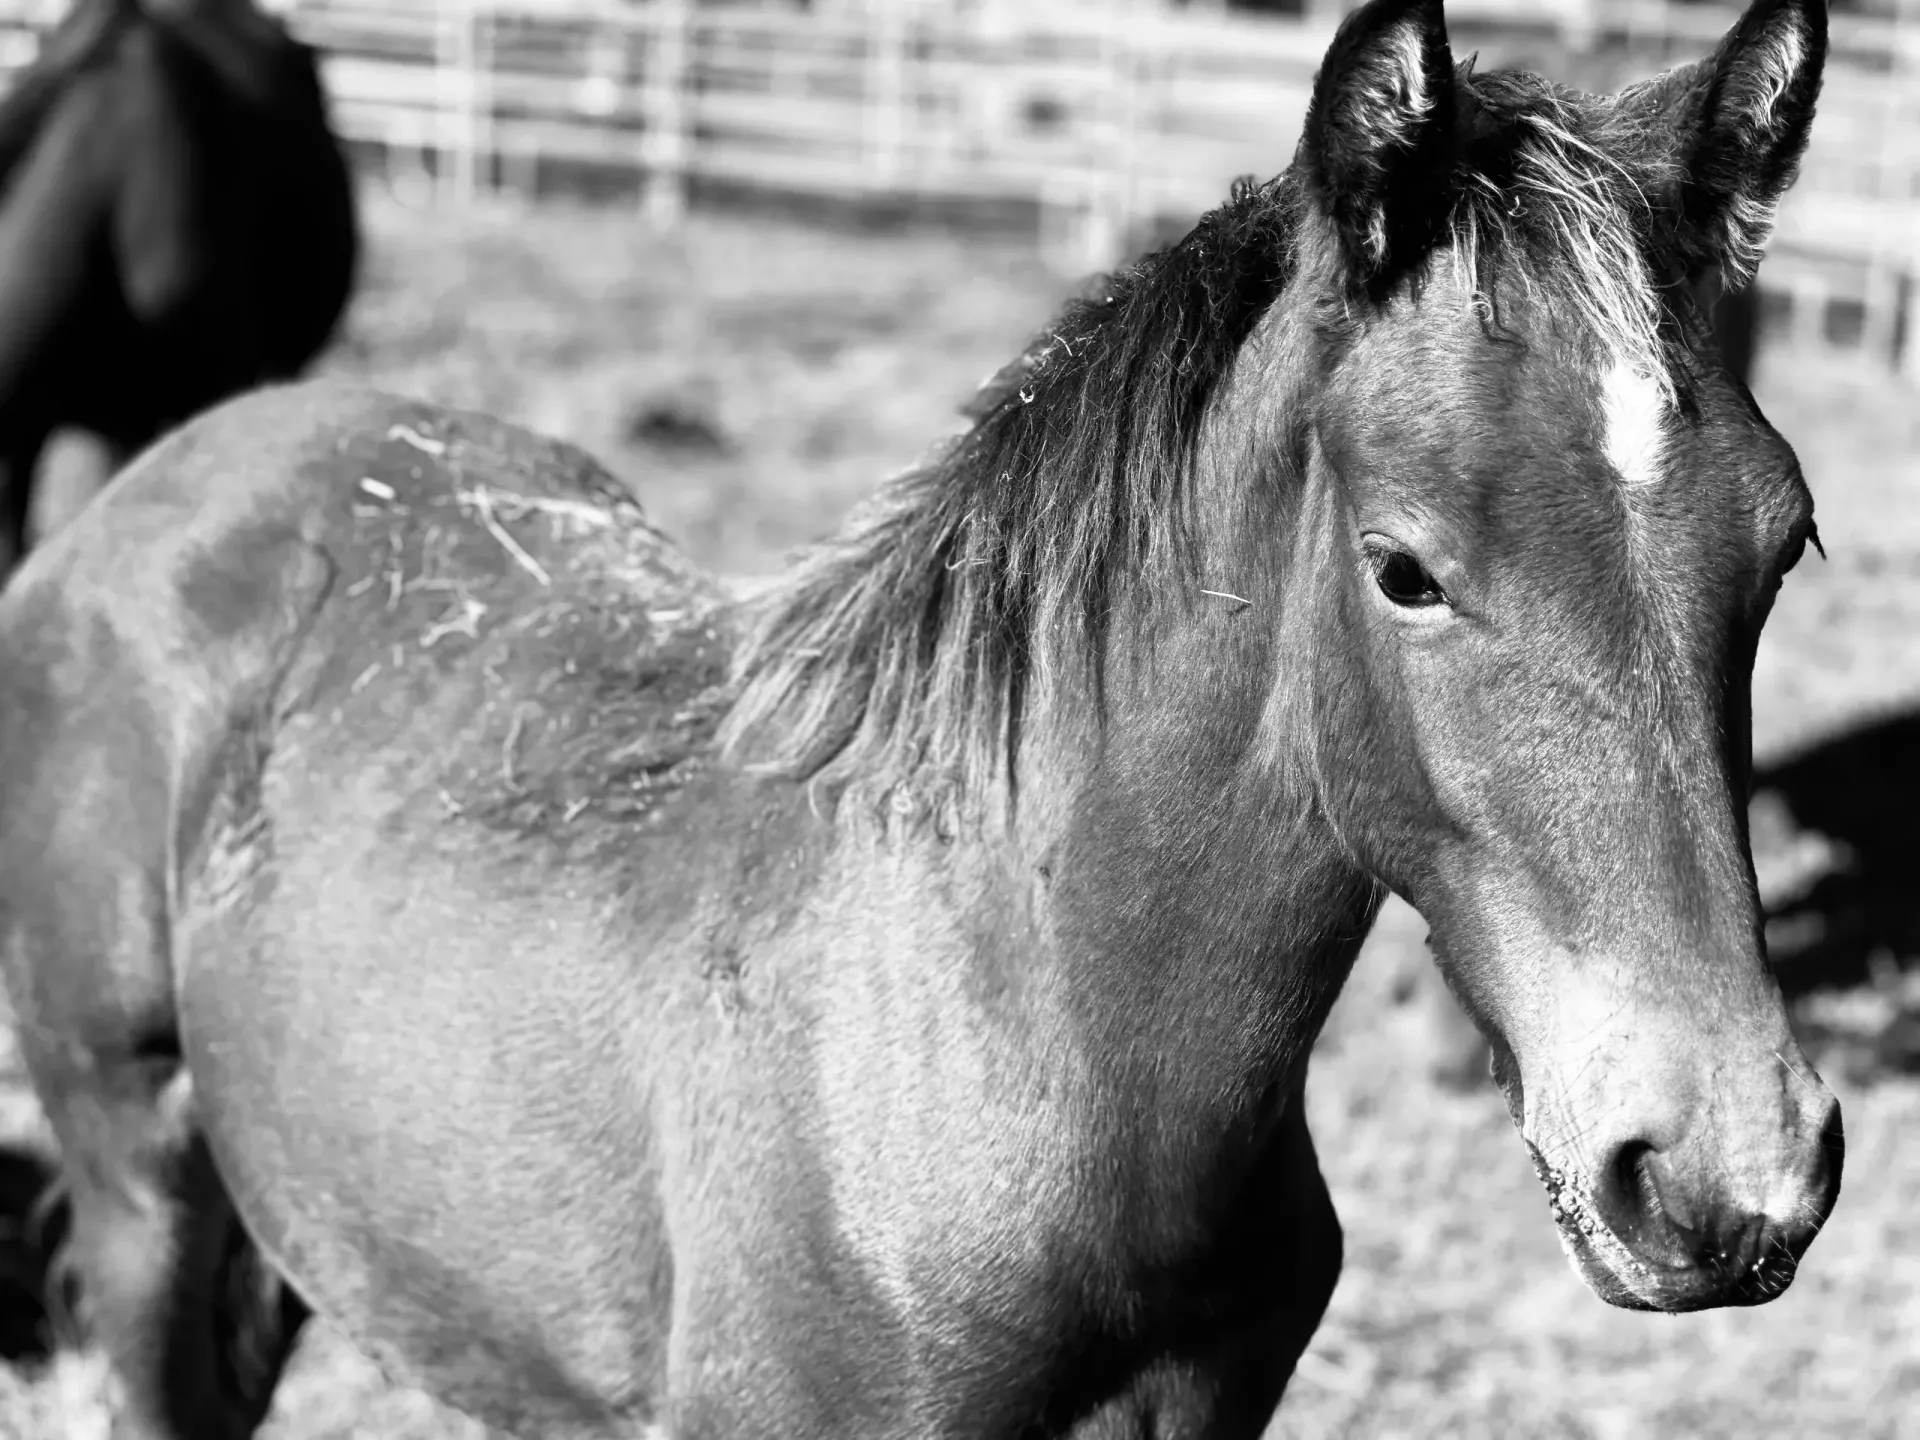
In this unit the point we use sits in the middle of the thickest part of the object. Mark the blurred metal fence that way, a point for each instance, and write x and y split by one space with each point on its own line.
1106 116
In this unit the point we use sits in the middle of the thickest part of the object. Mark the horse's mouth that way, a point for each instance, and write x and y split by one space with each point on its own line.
1621 1276
1672 1290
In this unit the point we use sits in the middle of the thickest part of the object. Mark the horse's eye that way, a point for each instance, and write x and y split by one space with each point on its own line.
1792 558
1799 549
1404 580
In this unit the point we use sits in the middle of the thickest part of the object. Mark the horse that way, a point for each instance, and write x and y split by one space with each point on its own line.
177 225
880 1005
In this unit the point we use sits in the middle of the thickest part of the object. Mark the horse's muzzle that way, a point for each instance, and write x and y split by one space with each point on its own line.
1648 1235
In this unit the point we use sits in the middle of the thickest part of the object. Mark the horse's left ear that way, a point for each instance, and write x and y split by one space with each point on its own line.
1374 145
1733 128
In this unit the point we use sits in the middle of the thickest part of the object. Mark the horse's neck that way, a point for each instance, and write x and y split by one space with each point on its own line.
84 37
82 34
1162 931
1211 874
1209 918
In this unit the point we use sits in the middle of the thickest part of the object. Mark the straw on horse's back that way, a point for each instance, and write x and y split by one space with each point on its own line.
409 568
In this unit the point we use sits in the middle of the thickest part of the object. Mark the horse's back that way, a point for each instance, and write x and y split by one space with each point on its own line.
362 682
137 640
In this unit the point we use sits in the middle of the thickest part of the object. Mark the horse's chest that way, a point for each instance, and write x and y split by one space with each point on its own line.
958 1157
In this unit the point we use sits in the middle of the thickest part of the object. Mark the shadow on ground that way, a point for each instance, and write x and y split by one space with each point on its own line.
29 1232
1838 851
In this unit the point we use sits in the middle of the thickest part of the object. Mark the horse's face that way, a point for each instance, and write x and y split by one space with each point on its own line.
1559 601
1558 542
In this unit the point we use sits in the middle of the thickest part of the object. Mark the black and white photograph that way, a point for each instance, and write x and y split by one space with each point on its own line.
959 719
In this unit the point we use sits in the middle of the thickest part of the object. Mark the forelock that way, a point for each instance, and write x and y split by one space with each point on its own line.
1557 207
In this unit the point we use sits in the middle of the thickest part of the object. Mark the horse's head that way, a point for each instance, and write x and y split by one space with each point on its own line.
1561 526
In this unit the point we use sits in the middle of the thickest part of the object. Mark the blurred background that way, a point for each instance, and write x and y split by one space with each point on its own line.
756 255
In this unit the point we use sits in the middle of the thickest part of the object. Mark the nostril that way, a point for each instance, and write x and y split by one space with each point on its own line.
1833 1154
1634 1167
1633 1181
1630 1199
1643 1212
1799 1214
1667 1224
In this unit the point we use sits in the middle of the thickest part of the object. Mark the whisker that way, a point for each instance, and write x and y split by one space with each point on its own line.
1793 1070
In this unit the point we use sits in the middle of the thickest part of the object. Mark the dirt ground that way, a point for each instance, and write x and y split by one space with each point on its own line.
751 379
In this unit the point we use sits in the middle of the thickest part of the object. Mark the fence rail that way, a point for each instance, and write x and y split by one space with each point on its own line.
1106 117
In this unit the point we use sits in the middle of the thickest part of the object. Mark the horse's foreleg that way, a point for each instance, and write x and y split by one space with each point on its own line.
166 1284
246 1317
18 461
196 1326
123 1164
1227 1384
1315 1246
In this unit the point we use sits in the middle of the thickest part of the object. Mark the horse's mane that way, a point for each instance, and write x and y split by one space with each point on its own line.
906 643
84 38
912 632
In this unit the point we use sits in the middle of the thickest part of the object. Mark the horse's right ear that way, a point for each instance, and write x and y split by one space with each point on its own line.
1727 134
1377 131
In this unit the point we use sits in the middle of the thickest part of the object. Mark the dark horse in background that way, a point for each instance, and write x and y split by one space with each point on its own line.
883 1008
176 225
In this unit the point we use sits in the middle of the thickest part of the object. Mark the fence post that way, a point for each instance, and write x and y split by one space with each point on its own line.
1113 207
1808 320
1580 25
1906 65
482 138
1880 311
455 161
1906 328
664 147
886 90
1136 62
